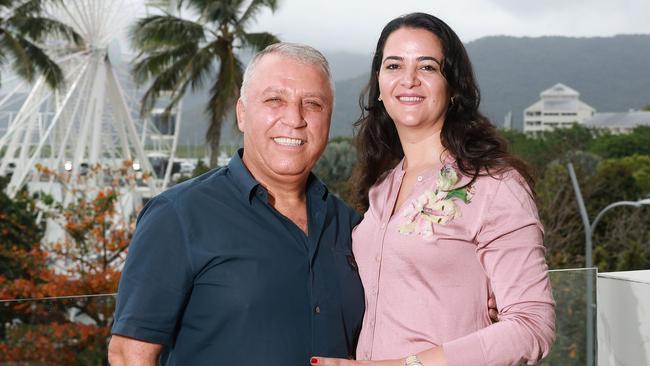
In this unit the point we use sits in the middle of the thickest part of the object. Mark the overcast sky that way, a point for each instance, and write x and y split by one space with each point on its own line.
354 25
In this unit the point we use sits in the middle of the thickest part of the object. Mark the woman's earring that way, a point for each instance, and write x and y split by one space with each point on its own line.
379 98
452 100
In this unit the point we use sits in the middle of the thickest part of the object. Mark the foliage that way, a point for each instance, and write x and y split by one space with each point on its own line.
85 261
620 240
19 231
180 53
335 165
621 237
549 146
201 168
558 211
618 146
22 26
609 168
18 228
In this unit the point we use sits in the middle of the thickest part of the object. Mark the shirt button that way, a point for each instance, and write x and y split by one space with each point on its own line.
317 309
383 226
377 259
419 178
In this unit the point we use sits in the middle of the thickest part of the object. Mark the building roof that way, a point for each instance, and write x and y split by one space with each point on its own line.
559 90
561 105
621 119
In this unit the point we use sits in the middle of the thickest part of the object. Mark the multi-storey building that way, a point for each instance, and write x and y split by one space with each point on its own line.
558 107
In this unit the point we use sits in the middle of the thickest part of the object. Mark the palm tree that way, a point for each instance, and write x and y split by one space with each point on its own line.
179 53
22 26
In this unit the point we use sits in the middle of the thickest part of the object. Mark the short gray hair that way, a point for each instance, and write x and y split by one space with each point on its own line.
295 51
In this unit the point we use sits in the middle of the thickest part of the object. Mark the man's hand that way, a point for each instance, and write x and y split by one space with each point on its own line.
123 351
492 309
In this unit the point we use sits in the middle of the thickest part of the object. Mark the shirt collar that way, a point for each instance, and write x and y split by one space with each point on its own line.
247 183
316 187
241 176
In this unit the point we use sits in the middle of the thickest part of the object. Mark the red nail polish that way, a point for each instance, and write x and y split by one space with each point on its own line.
314 360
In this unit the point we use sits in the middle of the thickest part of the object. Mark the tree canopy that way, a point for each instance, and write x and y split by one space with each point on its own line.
178 53
22 26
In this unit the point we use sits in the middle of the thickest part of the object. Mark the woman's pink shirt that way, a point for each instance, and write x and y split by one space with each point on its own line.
423 291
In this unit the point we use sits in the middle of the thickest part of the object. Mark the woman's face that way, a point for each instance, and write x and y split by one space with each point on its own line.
411 84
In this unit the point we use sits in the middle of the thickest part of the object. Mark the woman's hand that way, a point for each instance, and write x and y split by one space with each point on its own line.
326 361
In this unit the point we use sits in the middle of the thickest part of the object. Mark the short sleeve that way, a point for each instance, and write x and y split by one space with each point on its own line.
511 251
157 276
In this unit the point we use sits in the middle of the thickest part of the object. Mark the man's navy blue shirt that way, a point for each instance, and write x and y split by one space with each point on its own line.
219 276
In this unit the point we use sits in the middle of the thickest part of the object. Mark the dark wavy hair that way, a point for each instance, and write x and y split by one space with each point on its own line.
466 134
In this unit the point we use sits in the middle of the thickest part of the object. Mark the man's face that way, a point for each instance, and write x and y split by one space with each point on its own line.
285 118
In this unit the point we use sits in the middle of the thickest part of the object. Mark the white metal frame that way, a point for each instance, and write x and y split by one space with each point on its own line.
90 121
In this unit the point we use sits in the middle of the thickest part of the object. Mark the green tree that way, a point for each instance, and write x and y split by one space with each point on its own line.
638 166
335 166
200 168
22 26
618 146
558 208
181 52
646 107
622 233
85 262
18 227
19 231
549 146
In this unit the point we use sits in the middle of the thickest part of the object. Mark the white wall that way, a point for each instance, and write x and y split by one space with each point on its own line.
623 326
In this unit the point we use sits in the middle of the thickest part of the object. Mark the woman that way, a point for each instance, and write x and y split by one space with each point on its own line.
450 216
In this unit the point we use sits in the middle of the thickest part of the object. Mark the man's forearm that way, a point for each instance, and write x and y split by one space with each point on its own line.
124 351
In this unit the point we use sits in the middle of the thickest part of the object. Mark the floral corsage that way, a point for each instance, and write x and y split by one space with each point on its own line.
435 207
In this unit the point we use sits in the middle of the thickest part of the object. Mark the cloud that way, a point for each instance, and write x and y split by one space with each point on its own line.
354 26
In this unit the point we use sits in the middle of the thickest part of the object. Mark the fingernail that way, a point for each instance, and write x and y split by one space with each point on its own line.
314 360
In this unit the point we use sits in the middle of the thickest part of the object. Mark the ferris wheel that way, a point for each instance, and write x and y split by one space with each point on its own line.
93 120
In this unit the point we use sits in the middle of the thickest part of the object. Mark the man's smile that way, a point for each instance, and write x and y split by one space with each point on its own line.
288 141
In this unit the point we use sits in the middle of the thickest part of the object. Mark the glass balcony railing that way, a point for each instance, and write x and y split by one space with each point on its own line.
75 330
570 287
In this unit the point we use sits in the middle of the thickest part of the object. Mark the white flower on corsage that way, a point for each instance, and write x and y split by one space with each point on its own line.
435 207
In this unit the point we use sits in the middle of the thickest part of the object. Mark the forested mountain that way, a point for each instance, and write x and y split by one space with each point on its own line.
611 73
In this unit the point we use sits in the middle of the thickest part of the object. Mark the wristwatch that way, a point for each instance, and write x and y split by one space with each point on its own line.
412 361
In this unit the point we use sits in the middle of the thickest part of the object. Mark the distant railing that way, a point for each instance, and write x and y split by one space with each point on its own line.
74 330
68 330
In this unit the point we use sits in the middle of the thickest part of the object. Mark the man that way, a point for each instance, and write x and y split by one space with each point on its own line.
250 264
